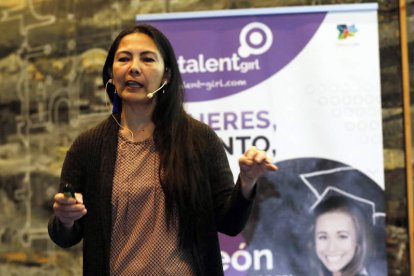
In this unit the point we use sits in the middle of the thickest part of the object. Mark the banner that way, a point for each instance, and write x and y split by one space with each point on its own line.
302 83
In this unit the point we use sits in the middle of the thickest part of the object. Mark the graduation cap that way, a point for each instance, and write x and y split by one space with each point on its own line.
348 182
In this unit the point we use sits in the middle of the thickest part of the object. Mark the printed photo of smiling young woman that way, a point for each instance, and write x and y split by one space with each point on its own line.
341 241
317 217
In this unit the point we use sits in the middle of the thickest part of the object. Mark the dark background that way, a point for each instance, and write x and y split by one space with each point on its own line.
51 55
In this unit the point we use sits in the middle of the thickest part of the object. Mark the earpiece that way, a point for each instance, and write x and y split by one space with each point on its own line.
116 100
110 81
150 95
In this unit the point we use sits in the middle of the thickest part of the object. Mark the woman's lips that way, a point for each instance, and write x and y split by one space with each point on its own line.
133 84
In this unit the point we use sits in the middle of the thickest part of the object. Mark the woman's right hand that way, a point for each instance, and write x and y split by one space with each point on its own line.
68 209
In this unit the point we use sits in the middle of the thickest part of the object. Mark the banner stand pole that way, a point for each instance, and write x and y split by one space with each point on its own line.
407 130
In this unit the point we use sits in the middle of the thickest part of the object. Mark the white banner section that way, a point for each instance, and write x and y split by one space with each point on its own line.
302 83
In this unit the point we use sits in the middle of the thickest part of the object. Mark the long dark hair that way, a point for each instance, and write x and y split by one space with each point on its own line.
181 167
363 229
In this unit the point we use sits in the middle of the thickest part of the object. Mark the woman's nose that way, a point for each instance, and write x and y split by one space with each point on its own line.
331 246
135 68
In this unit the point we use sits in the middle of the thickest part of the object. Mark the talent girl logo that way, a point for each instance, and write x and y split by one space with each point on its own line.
223 56
255 39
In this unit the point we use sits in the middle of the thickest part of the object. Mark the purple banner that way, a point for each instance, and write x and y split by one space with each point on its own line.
223 56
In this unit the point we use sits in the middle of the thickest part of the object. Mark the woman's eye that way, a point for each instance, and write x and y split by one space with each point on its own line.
148 59
122 59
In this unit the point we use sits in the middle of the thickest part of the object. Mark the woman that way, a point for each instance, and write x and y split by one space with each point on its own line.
153 186
341 238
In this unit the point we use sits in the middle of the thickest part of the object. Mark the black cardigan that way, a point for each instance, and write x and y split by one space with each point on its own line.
89 165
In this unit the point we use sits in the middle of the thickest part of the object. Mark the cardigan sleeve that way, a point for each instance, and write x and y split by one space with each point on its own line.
231 208
63 237
72 172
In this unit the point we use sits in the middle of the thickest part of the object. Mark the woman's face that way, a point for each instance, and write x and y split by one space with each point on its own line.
335 240
138 67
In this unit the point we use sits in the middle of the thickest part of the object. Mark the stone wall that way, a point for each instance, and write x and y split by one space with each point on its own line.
51 55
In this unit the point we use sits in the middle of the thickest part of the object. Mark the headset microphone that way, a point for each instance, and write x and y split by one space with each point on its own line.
150 95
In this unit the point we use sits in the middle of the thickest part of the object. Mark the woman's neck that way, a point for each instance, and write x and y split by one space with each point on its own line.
137 123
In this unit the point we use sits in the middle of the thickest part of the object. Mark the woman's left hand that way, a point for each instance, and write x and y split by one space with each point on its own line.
253 164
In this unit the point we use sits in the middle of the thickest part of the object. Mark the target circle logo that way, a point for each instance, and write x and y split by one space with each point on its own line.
255 39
